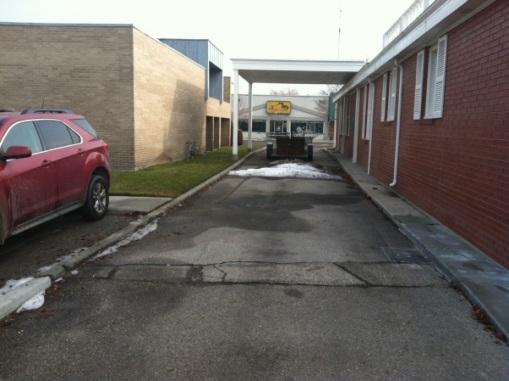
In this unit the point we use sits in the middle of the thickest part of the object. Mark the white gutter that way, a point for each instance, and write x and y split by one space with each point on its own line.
398 129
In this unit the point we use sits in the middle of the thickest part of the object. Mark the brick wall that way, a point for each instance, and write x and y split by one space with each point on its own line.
456 167
169 103
362 144
382 151
344 141
85 68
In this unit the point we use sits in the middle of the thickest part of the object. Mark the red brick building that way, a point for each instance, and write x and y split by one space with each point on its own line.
429 116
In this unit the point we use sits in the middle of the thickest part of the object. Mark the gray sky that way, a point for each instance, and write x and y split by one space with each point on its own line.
284 29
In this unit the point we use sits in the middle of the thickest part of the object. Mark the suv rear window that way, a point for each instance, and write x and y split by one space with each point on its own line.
55 134
83 123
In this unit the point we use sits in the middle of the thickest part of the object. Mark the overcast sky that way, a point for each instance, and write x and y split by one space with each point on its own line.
284 29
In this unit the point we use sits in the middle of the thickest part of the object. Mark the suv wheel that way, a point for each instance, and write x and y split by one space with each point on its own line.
97 201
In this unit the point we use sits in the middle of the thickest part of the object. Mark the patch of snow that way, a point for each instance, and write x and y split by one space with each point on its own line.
136 236
71 254
74 272
11 284
58 280
34 303
44 268
292 170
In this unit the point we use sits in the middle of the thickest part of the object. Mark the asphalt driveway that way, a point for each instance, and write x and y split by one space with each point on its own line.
255 279
23 254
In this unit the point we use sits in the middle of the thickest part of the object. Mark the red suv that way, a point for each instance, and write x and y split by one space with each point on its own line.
51 162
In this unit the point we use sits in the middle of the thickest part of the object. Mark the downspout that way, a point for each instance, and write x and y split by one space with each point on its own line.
372 128
398 129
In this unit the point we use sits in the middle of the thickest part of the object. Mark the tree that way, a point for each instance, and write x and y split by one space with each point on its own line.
323 104
331 89
288 92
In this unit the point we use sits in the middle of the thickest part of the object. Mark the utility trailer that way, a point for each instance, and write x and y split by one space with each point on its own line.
290 147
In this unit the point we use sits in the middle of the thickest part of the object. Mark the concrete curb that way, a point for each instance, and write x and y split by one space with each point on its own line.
480 290
13 299
70 261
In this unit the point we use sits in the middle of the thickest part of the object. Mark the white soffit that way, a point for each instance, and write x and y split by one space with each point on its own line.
296 71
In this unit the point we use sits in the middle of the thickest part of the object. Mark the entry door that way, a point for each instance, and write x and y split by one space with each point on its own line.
278 127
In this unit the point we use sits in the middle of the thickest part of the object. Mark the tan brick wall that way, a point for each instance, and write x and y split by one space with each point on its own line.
169 97
85 68
218 109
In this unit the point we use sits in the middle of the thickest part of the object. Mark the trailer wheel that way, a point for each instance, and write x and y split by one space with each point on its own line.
310 152
269 151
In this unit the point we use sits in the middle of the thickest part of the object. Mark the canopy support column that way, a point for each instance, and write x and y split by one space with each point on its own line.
235 137
250 117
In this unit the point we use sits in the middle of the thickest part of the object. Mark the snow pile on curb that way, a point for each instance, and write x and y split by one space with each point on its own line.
136 236
11 284
292 170
35 302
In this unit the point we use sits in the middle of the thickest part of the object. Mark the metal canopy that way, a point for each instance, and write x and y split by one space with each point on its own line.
284 71
296 71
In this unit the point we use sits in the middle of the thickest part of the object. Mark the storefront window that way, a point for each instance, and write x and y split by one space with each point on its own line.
278 127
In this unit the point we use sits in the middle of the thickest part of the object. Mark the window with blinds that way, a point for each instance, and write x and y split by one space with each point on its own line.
436 79
419 81
393 88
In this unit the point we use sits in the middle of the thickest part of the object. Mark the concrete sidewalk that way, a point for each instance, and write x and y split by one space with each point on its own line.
484 281
129 204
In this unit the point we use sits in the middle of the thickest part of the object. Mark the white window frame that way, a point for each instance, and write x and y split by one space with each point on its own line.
419 82
371 110
393 88
437 65
383 105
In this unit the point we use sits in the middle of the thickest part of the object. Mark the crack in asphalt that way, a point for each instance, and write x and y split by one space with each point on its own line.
196 274
183 282
352 274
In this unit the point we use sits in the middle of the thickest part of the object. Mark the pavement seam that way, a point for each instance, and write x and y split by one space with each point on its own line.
223 279
367 263
263 283
195 276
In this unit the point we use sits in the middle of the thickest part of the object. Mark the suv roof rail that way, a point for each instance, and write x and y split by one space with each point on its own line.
46 111
6 109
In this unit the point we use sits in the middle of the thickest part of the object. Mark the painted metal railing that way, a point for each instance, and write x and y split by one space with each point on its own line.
410 15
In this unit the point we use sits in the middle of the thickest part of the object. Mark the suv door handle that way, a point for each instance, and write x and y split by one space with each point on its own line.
46 163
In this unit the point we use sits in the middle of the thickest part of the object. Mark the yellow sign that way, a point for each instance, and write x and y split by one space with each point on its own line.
279 107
